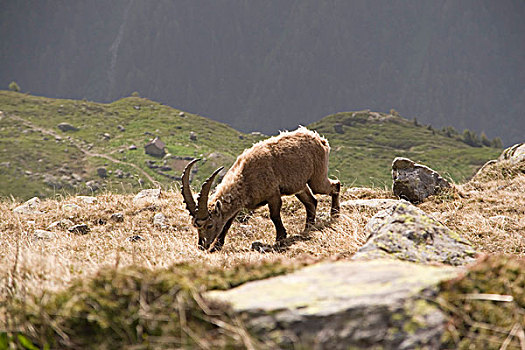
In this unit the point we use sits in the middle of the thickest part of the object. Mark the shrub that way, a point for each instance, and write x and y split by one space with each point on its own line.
471 138
485 140
13 86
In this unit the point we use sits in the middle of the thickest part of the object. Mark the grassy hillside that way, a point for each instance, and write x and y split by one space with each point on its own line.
38 159
367 142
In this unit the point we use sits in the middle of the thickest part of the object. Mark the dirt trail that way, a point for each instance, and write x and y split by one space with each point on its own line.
74 143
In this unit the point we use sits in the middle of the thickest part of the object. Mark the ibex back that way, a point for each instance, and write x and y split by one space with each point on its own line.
292 163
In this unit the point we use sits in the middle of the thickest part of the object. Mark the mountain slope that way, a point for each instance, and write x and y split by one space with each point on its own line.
38 159
367 142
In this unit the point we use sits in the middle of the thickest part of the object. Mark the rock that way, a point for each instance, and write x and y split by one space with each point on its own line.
106 136
135 238
405 232
88 199
80 229
93 185
181 114
43 234
515 153
119 173
52 181
117 217
342 305
70 207
262 247
375 203
121 128
132 148
102 172
415 182
338 128
29 207
66 127
61 224
193 136
155 147
159 220
147 197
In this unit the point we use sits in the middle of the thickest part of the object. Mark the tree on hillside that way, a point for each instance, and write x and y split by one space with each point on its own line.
471 138
13 86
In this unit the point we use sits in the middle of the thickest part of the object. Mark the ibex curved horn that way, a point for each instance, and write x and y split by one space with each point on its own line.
186 191
202 201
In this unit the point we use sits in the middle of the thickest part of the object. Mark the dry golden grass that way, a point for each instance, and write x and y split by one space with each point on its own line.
35 265
491 214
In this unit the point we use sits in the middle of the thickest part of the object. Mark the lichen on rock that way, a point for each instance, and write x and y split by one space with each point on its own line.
405 232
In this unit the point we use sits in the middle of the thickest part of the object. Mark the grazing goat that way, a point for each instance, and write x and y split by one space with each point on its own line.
291 163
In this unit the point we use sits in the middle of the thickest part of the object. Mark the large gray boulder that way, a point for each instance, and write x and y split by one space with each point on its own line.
343 305
415 182
405 232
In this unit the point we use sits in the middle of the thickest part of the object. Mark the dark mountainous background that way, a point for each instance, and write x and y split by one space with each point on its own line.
269 65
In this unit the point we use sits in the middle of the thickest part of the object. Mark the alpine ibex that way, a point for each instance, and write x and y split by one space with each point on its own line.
290 163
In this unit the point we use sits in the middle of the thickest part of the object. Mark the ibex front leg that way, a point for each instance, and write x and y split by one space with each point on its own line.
275 204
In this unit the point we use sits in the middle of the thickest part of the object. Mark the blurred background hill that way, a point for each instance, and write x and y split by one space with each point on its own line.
269 65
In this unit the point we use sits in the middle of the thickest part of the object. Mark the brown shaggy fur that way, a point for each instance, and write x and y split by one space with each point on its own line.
291 163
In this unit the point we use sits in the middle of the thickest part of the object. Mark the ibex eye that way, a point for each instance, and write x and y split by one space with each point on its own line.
209 227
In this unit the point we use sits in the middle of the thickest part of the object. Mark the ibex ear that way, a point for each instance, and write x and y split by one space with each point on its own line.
218 207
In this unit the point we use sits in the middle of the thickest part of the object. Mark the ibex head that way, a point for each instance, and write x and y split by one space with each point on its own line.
209 224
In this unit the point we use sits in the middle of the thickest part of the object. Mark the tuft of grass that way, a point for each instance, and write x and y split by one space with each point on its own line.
486 306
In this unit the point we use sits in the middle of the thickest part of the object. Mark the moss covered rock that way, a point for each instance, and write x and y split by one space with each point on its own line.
341 305
405 232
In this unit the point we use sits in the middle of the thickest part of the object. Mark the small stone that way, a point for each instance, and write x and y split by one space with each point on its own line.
261 247
193 136
102 172
117 217
42 234
137 107
148 196
338 128
132 148
136 238
80 229
66 127
61 224
88 199
70 207
29 207
92 185
121 128
119 173
106 136
159 220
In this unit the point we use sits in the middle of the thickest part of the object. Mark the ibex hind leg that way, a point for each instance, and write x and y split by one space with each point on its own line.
325 185
310 203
